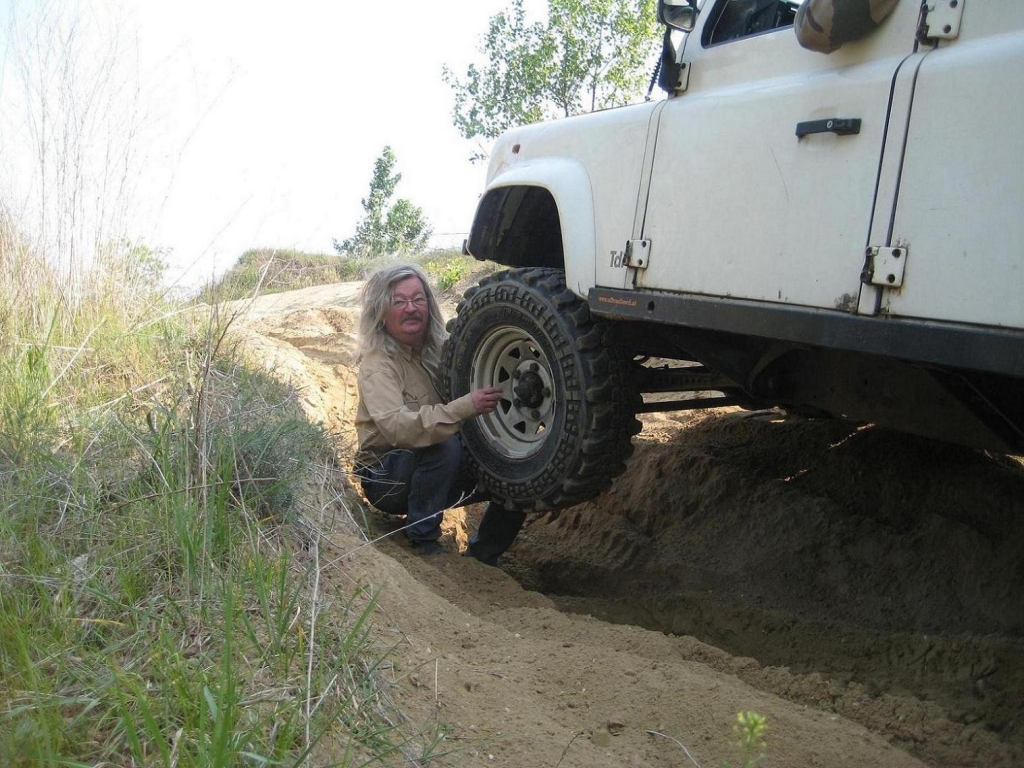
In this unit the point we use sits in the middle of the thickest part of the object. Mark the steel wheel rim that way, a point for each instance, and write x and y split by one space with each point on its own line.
510 358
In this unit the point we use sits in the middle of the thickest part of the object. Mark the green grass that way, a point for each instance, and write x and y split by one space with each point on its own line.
160 600
270 270
448 268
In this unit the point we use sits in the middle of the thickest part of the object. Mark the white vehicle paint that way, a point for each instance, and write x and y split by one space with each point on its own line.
837 234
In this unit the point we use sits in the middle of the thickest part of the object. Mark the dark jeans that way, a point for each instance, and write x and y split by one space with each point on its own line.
498 529
423 482
419 483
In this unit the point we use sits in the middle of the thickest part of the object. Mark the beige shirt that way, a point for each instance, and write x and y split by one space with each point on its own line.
400 408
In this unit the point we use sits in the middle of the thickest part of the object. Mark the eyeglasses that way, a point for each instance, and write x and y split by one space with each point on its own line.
419 302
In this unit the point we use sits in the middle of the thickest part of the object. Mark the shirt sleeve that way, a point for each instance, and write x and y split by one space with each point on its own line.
402 426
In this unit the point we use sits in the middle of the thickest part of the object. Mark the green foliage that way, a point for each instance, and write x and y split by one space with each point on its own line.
270 270
602 49
510 88
589 55
386 228
152 608
447 268
749 738
149 597
130 263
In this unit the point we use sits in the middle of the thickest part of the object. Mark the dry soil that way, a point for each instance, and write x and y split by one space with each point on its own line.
863 590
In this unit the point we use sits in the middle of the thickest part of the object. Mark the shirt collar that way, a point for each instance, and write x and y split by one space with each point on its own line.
408 353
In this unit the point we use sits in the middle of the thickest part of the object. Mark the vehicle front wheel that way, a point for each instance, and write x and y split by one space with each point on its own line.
563 428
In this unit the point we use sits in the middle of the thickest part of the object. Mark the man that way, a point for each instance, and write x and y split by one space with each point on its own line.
410 455
825 25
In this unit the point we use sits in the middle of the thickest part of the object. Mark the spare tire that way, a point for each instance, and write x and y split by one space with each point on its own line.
564 426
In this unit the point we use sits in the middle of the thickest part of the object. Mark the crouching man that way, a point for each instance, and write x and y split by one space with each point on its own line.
410 455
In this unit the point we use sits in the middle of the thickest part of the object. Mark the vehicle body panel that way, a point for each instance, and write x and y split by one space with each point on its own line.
959 209
772 217
610 145
758 254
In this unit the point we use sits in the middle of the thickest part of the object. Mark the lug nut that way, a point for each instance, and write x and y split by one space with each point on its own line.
517 402
547 391
534 367
535 414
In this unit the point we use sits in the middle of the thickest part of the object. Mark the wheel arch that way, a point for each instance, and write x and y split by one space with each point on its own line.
538 214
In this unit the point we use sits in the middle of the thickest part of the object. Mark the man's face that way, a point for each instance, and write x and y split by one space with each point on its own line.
409 315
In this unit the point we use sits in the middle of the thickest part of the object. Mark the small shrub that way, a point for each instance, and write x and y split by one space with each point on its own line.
271 270
448 268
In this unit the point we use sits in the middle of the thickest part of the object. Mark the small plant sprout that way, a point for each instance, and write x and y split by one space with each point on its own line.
749 729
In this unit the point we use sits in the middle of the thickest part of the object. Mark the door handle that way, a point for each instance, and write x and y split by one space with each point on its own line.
840 126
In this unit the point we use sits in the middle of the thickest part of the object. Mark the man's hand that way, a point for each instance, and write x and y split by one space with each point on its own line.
486 400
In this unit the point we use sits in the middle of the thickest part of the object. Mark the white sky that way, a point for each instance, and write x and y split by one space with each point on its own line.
263 120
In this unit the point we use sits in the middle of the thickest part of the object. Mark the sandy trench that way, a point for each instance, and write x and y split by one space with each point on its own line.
863 590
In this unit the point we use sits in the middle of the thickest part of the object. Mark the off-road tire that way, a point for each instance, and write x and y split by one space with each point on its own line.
563 429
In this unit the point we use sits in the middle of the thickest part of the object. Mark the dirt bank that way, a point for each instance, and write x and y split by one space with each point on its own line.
861 589
871 574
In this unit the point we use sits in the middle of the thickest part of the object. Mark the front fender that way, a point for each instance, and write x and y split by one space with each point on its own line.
503 214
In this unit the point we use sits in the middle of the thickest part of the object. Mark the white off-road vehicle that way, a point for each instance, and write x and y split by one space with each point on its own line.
838 235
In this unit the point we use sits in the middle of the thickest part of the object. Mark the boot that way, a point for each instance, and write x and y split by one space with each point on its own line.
498 529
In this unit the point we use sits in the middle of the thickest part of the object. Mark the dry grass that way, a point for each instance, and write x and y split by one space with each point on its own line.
158 605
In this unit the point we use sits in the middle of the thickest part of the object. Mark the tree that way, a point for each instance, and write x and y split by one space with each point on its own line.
395 228
591 54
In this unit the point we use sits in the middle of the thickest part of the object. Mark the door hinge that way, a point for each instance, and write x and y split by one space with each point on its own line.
941 19
684 76
884 266
638 254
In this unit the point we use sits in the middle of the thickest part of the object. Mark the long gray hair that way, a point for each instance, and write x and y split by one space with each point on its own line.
376 303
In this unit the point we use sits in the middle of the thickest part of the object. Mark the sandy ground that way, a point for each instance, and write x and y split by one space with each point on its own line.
863 590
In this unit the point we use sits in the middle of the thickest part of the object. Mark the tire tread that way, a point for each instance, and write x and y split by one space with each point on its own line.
607 400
